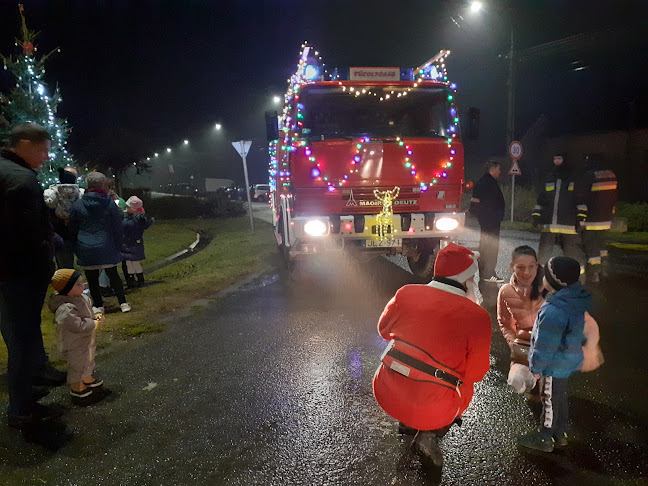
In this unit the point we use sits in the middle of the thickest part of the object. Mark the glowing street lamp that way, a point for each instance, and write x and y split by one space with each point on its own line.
156 154
168 149
218 126
476 7
186 142
276 100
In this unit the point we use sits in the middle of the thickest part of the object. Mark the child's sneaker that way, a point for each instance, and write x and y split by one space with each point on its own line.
125 307
98 310
561 440
537 442
94 383
88 396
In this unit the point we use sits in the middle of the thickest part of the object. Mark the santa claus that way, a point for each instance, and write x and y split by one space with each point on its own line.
439 343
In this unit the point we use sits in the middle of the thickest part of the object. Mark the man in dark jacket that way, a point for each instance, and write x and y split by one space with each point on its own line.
26 266
559 209
487 205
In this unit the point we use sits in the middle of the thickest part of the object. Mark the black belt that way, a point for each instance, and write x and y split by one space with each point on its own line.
424 367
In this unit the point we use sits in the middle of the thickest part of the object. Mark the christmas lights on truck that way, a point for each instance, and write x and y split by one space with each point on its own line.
369 159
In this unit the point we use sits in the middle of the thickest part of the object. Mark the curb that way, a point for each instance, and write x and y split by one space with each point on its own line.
186 250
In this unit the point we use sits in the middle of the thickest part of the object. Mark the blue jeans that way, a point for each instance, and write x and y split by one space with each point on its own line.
21 302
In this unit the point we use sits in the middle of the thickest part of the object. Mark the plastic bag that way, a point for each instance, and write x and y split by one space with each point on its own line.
521 378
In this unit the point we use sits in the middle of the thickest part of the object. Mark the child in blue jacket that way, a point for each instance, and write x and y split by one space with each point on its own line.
557 349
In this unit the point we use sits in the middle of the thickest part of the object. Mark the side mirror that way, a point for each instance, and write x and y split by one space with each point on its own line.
472 131
272 125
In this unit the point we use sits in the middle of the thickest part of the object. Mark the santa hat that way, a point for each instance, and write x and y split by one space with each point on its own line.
456 262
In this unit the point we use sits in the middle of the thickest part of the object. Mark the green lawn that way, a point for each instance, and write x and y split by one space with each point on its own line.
232 254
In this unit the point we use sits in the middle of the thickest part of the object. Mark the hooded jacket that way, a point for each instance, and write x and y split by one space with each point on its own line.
441 321
134 225
515 309
26 244
96 221
557 337
74 320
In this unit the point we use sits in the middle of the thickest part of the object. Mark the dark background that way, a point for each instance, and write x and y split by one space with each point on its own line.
139 76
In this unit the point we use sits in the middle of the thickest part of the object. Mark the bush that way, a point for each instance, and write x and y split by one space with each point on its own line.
187 207
635 214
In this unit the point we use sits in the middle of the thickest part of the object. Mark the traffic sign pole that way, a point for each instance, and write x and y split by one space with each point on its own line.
515 151
242 147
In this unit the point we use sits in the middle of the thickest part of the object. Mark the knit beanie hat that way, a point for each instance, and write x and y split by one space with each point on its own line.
66 177
455 262
64 279
134 205
562 271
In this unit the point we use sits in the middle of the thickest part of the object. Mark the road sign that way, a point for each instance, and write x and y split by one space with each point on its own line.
242 147
515 168
515 150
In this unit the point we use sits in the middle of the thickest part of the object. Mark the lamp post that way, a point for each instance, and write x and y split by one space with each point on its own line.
475 8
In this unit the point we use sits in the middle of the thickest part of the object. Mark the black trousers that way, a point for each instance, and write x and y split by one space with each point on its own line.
65 256
21 302
555 406
567 242
488 249
593 244
115 282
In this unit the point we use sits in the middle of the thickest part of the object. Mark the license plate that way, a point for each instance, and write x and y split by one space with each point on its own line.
386 243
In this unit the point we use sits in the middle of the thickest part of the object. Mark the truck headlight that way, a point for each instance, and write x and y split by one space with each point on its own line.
315 227
446 224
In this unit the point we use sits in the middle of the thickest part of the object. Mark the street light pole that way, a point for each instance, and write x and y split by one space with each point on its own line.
510 111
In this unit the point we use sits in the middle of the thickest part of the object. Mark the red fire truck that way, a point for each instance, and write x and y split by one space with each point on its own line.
369 160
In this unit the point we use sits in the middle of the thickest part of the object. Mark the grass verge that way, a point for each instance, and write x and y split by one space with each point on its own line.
232 254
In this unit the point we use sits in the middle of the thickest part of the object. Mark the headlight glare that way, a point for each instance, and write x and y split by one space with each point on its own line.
315 227
446 224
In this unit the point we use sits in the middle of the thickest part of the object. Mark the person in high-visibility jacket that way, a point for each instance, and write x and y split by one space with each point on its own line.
439 347
559 209
600 190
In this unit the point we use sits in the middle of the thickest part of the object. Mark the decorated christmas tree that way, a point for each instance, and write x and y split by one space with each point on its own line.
29 101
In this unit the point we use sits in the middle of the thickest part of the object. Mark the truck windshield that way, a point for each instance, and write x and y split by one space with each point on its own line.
378 111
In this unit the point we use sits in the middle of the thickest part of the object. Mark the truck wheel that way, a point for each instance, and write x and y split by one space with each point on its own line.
261 198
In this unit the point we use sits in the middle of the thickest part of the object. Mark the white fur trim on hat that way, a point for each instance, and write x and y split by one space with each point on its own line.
466 274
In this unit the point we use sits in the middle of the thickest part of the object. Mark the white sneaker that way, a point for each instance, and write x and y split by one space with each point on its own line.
125 307
98 310
493 279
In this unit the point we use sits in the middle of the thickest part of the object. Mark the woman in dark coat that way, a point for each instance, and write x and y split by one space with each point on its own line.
135 222
95 220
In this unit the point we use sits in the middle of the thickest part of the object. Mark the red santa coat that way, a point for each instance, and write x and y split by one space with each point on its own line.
455 331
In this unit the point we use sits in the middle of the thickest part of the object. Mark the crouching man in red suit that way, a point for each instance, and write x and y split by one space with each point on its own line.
439 342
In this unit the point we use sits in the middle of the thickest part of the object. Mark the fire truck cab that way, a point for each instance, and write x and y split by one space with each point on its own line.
369 160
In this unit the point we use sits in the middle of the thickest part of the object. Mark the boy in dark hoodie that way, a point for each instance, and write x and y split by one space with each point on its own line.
556 349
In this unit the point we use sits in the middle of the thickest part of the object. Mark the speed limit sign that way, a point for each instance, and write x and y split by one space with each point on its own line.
515 150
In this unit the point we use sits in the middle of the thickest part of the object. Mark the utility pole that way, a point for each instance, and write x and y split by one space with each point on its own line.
510 111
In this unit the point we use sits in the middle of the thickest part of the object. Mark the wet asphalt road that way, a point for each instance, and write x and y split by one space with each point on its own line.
271 384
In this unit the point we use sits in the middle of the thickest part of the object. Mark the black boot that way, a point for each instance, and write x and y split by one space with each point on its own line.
130 281
140 280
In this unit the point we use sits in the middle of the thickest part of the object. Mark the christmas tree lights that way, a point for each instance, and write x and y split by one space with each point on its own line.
29 102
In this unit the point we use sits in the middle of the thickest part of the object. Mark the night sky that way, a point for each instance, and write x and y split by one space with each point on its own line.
138 76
